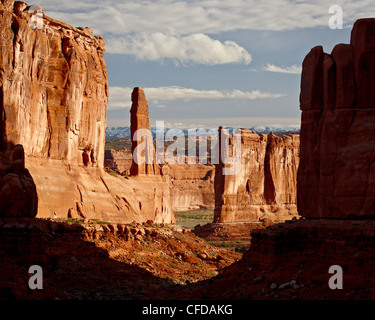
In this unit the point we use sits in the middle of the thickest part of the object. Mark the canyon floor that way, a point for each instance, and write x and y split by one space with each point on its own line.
98 260
95 260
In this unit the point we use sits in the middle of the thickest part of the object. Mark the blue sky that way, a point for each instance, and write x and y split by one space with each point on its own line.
213 62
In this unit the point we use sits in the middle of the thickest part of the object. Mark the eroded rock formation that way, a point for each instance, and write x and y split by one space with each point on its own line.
335 190
142 144
119 161
54 88
336 175
265 187
53 98
192 186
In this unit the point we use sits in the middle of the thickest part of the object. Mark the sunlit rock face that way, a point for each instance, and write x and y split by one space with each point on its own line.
53 101
265 186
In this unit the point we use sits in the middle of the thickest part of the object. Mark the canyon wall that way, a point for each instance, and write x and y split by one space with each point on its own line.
192 186
119 161
53 99
336 177
54 88
265 186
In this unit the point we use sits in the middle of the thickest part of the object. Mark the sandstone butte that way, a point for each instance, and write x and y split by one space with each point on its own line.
336 178
265 186
53 99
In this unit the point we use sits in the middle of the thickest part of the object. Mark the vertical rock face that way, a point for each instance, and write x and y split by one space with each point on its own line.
266 183
336 172
192 186
119 161
53 88
53 100
142 144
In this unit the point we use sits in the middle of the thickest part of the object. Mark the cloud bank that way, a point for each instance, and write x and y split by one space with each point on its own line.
196 48
201 16
185 31
119 97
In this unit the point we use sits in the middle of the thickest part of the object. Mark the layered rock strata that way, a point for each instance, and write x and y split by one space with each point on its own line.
192 186
265 186
337 169
53 99
119 161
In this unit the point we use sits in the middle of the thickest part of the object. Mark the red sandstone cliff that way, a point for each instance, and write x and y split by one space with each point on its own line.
266 183
192 186
336 175
119 161
54 88
53 99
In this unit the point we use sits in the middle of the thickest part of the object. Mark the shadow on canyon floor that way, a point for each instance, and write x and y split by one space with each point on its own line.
82 264
285 261
72 267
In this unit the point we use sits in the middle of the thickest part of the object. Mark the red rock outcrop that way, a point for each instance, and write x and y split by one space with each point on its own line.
142 141
53 99
265 186
336 173
53 88
119 161
192 186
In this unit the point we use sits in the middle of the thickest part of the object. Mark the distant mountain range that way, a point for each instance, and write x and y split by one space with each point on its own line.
124 132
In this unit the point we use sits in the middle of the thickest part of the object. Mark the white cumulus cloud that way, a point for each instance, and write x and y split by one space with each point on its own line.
185 30
196 48
294 69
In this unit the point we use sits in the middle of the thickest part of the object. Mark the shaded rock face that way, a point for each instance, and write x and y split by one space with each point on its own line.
53 99
266 183
336 172
18 196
